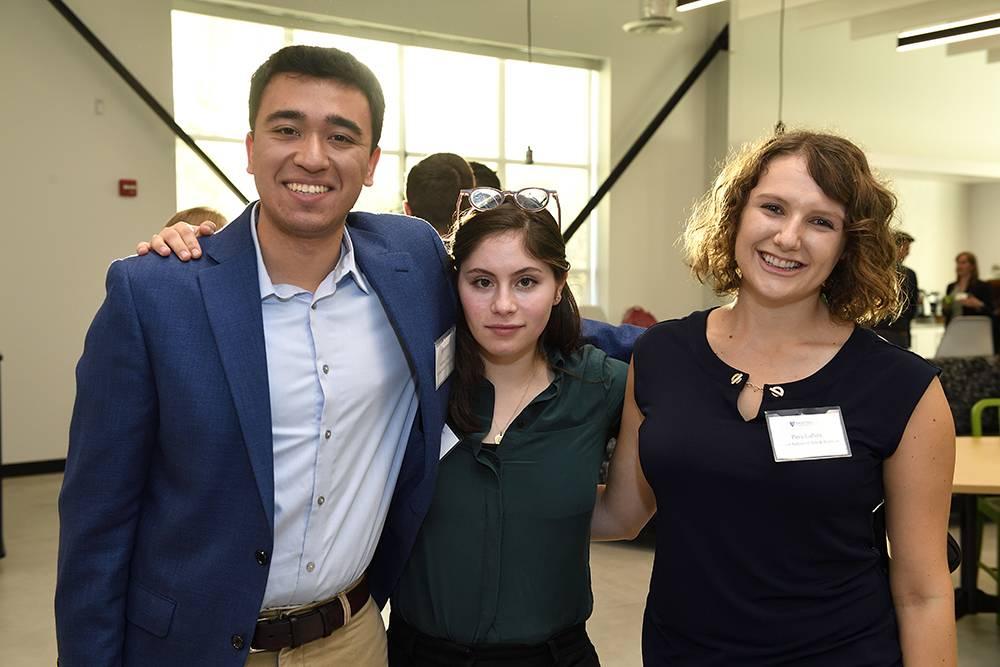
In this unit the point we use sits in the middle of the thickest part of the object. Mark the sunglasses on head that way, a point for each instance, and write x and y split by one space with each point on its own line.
528 199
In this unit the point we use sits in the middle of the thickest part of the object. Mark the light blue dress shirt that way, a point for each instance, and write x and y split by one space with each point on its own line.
343 401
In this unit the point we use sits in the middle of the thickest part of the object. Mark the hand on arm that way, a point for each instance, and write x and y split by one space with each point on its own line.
180 238
918 479
626 502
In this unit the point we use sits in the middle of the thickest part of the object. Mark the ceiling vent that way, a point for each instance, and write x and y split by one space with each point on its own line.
657 18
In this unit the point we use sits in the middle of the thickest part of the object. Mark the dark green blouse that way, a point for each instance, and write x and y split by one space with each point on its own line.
504 552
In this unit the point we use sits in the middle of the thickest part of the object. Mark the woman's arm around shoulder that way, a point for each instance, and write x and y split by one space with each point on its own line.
626 502
918 480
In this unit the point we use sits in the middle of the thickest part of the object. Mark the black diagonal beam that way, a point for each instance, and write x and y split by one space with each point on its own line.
721 43
141 91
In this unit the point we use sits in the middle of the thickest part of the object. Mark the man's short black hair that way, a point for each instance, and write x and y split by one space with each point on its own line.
485 176
321 63
432 188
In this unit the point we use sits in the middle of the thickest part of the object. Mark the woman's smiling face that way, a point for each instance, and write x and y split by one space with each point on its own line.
791 234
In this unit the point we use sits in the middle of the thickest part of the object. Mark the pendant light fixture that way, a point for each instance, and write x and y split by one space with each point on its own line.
656 18
529 156
779 127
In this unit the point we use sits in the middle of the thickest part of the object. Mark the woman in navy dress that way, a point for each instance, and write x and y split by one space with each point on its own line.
765 432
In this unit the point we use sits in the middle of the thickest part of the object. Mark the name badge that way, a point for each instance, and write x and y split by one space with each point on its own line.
444 357
448 441
807 434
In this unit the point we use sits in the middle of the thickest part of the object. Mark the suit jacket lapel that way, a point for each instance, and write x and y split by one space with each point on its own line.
231 293
391 275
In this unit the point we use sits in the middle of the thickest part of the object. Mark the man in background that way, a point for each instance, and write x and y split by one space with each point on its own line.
485 177
433 186
897 331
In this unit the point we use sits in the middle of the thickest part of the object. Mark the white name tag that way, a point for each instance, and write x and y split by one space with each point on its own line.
444 357
811 433
448 441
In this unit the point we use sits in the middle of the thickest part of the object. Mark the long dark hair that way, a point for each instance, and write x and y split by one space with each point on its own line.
543 241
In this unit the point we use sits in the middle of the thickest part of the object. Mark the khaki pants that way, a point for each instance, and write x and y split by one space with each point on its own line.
360 643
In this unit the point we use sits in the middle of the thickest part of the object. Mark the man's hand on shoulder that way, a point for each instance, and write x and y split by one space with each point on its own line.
181 239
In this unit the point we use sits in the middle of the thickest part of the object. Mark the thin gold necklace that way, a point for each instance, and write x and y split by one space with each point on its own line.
498 438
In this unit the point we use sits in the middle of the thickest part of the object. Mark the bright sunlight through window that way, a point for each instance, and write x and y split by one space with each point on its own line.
551 108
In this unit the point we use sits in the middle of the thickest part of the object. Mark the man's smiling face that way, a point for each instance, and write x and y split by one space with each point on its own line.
310 154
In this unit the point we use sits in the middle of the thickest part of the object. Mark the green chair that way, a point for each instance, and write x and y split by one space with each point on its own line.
988 507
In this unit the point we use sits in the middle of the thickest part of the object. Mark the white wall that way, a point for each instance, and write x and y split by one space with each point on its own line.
936 212
921 105
64 221
984 227
65 162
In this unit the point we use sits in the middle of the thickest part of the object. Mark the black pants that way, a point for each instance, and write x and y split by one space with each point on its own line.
411 648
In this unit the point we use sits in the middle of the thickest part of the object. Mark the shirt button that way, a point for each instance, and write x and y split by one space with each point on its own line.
326 369
310 566
328 434
313 306
262 557
320 500
237 642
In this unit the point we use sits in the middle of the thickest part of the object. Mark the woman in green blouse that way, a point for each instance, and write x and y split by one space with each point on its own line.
499 574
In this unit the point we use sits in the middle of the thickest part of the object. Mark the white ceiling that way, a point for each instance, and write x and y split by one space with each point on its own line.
868 18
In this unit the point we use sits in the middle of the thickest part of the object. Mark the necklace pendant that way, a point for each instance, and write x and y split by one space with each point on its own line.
497 438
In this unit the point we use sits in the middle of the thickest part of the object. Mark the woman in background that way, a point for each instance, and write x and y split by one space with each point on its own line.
968 295
773 426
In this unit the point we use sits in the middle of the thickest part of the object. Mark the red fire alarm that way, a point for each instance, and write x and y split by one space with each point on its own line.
127 187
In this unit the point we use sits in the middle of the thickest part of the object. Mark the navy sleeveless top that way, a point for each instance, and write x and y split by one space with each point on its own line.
757 562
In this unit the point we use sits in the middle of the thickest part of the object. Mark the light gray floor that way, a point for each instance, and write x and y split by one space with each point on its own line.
620 579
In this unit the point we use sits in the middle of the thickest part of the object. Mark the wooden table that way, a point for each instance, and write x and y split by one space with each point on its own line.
977 472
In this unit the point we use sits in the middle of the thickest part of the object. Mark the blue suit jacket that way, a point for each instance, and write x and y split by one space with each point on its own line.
168 502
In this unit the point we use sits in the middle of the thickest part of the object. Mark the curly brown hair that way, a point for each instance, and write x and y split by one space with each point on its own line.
864 286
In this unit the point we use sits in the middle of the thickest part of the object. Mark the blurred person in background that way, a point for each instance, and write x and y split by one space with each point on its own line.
433 185
485 177
968 295
897 331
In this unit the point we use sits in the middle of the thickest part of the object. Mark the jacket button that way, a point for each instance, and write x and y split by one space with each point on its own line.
262 557
237 641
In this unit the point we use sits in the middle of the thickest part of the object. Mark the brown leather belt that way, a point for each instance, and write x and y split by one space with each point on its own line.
297 628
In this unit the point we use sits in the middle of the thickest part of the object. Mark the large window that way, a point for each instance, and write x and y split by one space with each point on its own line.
484 108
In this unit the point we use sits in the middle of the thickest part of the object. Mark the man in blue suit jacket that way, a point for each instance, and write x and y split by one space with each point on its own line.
245 425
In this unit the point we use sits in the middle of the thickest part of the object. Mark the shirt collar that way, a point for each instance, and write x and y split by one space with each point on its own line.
346 266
